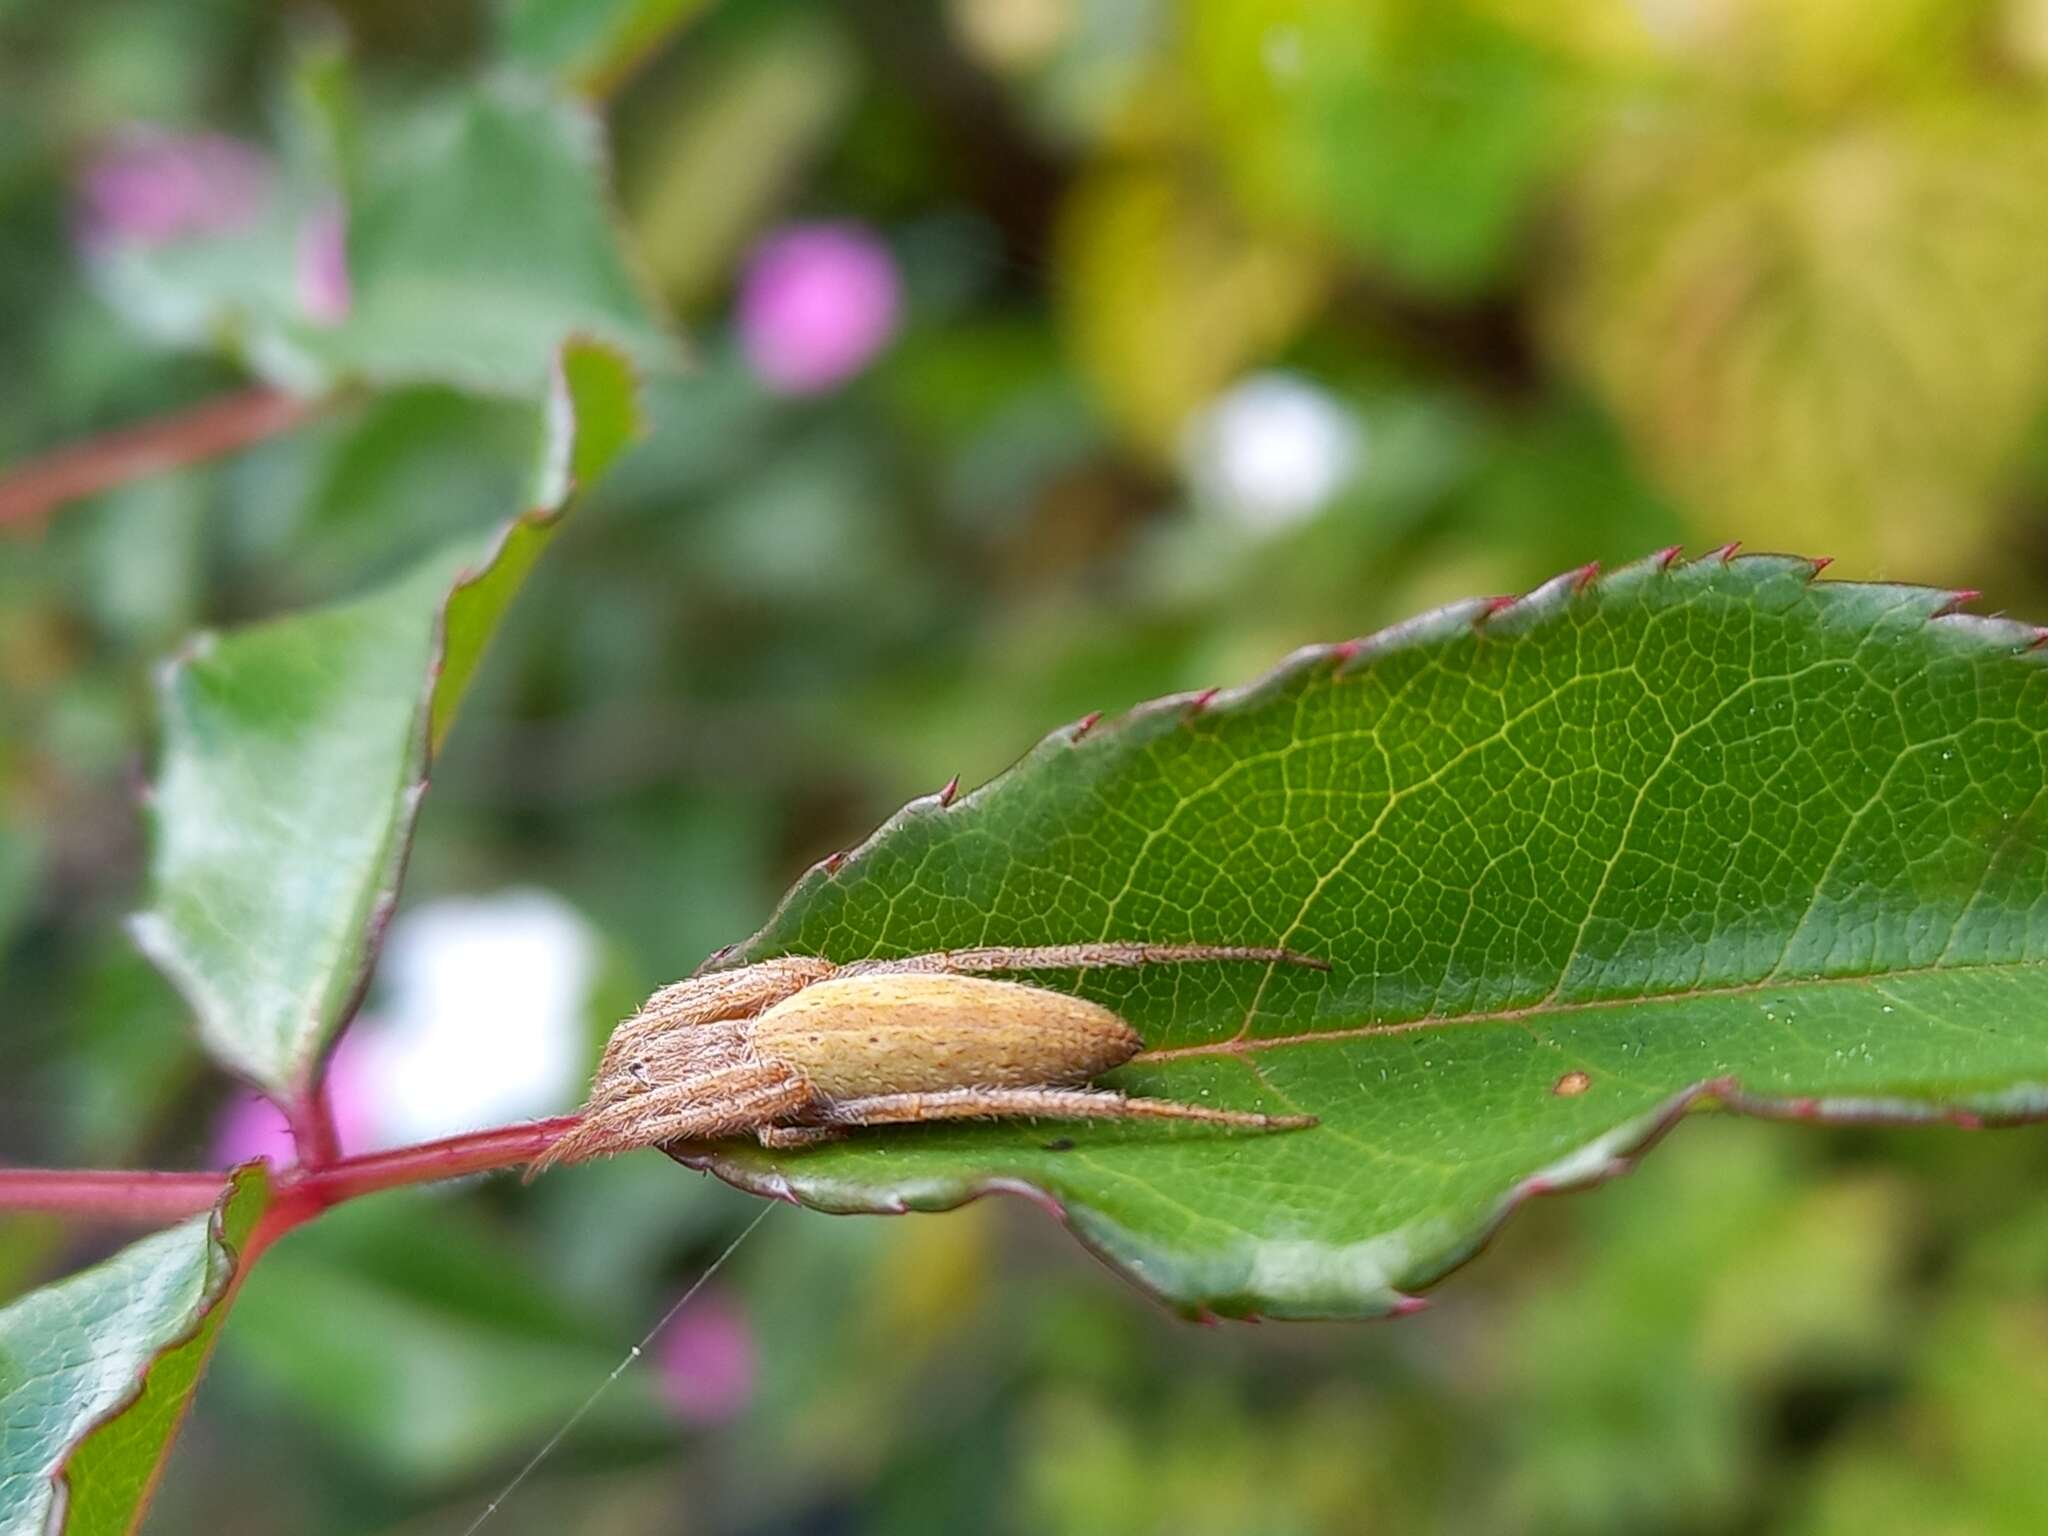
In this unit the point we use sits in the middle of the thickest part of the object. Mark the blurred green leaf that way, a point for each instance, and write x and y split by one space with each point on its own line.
479 238
452 1353
295 756
1709 830
590 44
21 858
483 239
1205 1465
1418 134
715 160
1725 1266
1824 340
96 1371
1169 293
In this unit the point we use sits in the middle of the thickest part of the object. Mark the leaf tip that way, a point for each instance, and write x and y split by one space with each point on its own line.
1084 725
1726 552
1957 600
1818 563
950 791
1202 700
1408 1306
717 958
1668 556
1585 575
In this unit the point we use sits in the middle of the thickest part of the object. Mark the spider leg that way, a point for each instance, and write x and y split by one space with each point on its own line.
1072 957
1046 1103
738 994
701 1108
797 1135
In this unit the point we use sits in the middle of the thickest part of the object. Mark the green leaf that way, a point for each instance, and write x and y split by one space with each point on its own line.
484 238
590 44
1691 833
96 1371
1418 135
1170 293
1736 284
295 755
479 235
778 81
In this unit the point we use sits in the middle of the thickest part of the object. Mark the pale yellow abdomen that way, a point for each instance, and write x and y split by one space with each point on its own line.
858 1036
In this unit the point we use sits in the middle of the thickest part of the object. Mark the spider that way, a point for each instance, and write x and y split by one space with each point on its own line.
798 1050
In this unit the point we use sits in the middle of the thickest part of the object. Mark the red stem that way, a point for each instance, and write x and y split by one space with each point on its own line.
150 1197
312 1125
505 1146
34 489
109 1195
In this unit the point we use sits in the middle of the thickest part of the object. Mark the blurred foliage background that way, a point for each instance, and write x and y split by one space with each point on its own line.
1044 356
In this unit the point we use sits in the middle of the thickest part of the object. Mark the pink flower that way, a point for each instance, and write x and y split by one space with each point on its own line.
153 188
817 302
324 288
706 1361
251 1126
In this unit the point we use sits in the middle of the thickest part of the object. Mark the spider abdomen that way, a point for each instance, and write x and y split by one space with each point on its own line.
856 1037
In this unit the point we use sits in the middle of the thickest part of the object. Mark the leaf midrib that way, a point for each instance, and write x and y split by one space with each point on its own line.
1247 1045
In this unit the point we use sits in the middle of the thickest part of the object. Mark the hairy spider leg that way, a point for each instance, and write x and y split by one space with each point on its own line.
1072 957
736 994
704 1108
784 1136
1046 1103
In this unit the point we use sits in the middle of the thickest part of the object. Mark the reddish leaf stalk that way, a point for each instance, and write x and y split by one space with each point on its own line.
32 490
505 1146
109 1194
311 1120
147 1196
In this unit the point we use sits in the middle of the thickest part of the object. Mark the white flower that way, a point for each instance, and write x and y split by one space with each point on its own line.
481 1017
1271 451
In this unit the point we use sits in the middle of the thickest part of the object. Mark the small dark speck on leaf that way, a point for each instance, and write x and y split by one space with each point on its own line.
1571 1085
1060 1144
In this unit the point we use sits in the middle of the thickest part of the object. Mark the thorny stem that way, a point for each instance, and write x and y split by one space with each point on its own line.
32 490
302 1192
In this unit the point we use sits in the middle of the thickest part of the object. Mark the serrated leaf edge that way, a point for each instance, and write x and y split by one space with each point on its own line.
1603 1157
1503 617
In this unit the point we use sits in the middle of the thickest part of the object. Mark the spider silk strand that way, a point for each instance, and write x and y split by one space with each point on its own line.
619 1370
